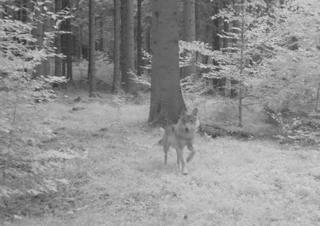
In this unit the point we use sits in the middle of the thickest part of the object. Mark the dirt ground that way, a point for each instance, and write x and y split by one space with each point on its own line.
123 181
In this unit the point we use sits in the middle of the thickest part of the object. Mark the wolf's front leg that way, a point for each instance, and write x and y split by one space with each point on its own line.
183 164
192 153
165 150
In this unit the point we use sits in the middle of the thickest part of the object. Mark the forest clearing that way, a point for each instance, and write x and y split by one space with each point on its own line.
122 179
104 103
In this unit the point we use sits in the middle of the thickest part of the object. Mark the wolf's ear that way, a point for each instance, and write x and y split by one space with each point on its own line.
195 111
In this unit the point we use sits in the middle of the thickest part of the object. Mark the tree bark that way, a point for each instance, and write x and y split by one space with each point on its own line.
91 66
166 97
139 38
127 43
116 85
190 33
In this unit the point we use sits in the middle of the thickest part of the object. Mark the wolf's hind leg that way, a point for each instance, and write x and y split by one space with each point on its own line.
178 159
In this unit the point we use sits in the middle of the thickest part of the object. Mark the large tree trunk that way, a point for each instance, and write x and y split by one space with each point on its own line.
91 66
139 38
166 97
189 20
190 33
116 86
127 43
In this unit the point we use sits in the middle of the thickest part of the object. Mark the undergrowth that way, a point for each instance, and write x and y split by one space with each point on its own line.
29 171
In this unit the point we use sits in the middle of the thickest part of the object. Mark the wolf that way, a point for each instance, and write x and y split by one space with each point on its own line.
179 136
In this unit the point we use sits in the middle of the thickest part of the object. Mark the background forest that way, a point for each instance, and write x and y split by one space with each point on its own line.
79 79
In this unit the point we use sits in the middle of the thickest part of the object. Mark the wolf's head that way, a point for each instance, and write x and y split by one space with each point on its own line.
188 124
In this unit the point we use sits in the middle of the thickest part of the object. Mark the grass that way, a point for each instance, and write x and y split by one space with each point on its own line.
124 180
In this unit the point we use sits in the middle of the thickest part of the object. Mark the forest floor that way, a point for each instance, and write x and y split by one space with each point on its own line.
125 182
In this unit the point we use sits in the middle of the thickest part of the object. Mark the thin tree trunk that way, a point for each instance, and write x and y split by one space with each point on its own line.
220 31
80 42
48 27
91 66
58 60
139 38
123 34
101 47
69 67
64 63
78 46
318 97
69 43
79 39
226 45
166 97
20 12
220 26
66 42
116 86
241 62
148 38
38 32
215 30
